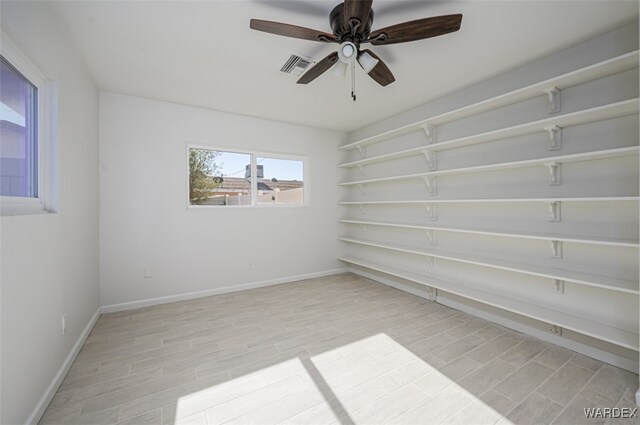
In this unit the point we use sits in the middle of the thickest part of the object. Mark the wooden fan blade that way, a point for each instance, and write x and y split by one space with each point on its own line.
319 68
416 30
381 72
358 9
288 30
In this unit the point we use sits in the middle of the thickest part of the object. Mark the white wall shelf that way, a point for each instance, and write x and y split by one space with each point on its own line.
495 200
592 240
386 157
530 176
586 156
610 283
588 73
590 328
614 110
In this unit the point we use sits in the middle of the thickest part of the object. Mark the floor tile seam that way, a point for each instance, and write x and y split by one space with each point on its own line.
533 360
577 393
130 374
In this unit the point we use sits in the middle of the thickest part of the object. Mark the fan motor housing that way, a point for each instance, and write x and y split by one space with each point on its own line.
343 33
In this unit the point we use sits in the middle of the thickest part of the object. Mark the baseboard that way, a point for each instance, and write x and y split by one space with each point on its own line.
588 350
112 308
43 403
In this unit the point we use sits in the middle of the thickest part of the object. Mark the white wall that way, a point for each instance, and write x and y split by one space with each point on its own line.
50 262
145 222
615 177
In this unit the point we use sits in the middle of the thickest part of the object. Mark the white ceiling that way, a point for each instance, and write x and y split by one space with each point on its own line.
203 53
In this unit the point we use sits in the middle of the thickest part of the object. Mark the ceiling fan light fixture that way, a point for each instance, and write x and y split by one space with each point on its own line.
347 52
340 69
367 62
351 24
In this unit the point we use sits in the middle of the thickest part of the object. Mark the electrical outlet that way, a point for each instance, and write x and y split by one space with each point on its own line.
64 324
148 273
252 264
556 330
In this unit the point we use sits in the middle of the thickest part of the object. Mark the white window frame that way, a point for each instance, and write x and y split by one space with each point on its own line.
254 172
15 205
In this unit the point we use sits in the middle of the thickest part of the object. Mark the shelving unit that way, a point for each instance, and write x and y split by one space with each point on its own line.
495 200
597 330
612 66
591 240
616 290
610 283
586 156
548 125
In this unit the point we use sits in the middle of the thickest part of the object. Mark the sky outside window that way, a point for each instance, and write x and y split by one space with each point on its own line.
234 164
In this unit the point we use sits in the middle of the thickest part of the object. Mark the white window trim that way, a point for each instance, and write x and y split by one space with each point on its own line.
11 205
254 171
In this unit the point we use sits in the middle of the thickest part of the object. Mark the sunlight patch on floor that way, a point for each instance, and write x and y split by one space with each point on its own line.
372 380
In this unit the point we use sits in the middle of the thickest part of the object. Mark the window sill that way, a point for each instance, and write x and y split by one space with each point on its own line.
207 207
13 213
26 206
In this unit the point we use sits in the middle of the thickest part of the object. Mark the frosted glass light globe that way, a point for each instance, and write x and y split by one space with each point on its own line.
347 52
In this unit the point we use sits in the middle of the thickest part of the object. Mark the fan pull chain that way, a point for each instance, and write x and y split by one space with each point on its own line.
353 82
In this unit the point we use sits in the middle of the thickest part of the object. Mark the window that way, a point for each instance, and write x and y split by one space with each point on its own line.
19 134
224 178
23 188
219 178
280 181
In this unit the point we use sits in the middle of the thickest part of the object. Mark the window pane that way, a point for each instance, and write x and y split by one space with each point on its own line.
18 134
280 181
219 178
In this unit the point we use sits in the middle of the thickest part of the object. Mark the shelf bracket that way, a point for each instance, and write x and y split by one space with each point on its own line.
361 187
555 137
363 209
431 236
431 210
431 158
432 185
555 329
553 99
559 286
556 249
431 266
362 169
430 133
363 151
554 211
555 176
432 293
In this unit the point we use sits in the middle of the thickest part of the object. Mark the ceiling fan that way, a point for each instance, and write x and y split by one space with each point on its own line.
351 25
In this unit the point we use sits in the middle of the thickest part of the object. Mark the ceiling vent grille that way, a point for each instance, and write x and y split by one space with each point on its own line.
296 65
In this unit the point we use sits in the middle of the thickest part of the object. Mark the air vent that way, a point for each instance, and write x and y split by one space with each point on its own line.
296 65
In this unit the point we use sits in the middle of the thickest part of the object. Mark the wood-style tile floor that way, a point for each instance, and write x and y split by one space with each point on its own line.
335 350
